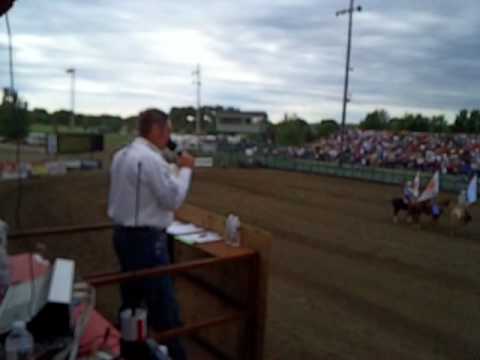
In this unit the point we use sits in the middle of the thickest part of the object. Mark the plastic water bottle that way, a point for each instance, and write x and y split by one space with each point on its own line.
158 352
19 343
232 231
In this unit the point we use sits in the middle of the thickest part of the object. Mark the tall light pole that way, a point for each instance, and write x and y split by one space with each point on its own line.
71 72
198 82
10 54
13 98
346 98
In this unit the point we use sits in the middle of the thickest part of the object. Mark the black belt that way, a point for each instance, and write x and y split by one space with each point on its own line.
139 228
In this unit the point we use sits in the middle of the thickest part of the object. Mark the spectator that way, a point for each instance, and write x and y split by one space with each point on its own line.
454 154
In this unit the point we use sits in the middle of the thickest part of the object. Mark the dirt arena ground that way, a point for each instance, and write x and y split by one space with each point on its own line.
346 283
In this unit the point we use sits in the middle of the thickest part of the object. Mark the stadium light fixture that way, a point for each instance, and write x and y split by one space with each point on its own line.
197 74
72 73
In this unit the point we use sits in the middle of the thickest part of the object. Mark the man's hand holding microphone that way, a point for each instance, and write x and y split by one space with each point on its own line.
184 159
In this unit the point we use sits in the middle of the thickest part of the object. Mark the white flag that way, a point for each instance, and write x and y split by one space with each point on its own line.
432 189
472 192
416 185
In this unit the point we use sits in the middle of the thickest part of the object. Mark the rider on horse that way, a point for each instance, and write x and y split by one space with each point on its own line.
410 200
409 197
462 200
409 194
436 210
460 212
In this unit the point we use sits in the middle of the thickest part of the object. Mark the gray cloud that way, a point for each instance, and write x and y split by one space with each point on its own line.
286 56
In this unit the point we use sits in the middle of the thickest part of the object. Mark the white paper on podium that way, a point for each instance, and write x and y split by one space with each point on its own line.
178 228
200 238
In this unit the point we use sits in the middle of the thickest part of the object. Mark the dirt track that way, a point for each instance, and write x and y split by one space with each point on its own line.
346 283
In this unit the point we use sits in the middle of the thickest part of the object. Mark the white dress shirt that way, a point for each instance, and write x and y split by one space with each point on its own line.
144 191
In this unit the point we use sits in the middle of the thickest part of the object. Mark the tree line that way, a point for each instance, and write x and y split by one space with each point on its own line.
295 131
16 120
466 121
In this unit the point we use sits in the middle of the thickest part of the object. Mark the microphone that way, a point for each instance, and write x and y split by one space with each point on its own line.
173 146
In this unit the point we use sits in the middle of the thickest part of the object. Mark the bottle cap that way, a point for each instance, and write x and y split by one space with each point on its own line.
19 324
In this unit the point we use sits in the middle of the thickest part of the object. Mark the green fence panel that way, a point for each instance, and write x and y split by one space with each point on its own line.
450 183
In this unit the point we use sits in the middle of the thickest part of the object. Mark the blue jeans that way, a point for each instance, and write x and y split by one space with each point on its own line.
140 248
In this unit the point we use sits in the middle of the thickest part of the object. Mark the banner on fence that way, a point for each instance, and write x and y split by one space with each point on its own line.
56 168
39 170
204 162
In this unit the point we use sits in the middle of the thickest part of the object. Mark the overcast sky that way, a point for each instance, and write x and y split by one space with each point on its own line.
279 56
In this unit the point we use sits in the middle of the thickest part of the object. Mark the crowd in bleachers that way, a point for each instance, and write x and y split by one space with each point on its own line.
449 153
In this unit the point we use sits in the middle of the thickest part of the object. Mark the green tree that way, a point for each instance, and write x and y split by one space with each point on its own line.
14 117
411 122
473 122
293 132
420 123
396 124
461 122
40 116
61 118
438 124
107 123
325 128
376 120
132 123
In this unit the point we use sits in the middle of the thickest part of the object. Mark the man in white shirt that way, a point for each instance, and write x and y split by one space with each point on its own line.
144 193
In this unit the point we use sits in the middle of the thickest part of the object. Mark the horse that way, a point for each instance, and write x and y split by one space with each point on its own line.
459 216
412 210
416 210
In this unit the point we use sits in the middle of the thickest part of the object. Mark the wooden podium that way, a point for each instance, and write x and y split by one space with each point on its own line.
222 290
234 286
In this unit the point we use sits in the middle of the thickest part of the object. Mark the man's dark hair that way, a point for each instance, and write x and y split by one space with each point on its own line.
150 117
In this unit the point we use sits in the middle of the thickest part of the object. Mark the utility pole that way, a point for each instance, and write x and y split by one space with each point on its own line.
346 98
71 72
198 82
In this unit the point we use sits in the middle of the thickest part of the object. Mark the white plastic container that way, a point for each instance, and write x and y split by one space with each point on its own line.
133 324
19 343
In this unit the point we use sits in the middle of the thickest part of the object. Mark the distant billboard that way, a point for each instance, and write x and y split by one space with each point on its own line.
74 143
240 122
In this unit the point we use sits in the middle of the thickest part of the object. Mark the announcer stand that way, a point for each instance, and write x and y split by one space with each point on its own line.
221 289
